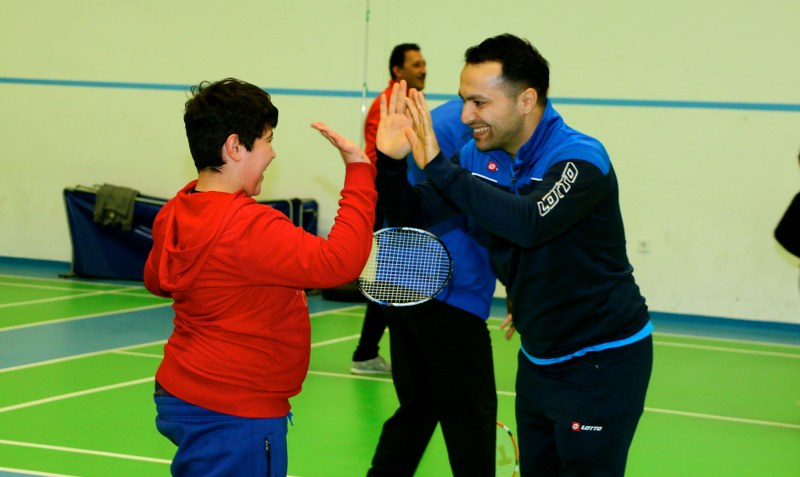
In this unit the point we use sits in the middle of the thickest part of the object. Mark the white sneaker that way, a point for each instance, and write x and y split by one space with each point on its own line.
376 365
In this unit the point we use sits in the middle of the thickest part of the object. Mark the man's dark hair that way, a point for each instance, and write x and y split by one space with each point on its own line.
217 110
398 57
522 65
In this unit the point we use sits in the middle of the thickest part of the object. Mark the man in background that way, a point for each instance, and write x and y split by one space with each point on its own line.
441 350
405 63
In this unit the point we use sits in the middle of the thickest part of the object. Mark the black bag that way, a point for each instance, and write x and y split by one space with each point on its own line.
787 233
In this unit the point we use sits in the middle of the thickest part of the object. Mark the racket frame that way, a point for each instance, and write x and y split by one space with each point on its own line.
374 252
510 434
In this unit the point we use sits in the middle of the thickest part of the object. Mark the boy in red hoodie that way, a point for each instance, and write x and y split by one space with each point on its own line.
236 271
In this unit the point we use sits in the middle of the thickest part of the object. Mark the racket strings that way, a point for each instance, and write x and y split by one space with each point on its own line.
408 267
506 456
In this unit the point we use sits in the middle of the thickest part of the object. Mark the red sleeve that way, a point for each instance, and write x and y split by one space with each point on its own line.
151 281
285 255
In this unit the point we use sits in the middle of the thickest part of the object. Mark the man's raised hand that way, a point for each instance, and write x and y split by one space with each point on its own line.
391 138
422 138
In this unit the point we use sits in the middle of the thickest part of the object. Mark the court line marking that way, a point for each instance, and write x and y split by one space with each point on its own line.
698 415
122 349
705 338
85 392
62 280
715 417
728 350
655 410
90 286
69 297
33 472
350 376
389 380
727 340
75 450
335 340
84 317
79 293
125 349
351 310
765 342
138 354
723 349
376 378
79 356
313 345
135 382
356 313
346 311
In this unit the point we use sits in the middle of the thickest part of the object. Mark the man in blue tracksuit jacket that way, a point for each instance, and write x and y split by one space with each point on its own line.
549 198
441 350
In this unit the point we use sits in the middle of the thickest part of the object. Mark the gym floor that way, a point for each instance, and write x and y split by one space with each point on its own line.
77 359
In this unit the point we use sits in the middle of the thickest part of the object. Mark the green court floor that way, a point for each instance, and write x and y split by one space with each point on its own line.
76 375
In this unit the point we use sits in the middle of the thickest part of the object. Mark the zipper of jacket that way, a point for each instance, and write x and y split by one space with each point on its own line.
514 167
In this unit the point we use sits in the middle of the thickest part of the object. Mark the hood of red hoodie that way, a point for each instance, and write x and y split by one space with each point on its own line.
195 223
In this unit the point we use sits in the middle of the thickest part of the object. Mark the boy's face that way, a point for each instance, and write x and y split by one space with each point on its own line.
255 163
493 115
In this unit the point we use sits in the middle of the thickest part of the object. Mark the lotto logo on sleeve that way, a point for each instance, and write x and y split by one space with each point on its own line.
560 189
578 427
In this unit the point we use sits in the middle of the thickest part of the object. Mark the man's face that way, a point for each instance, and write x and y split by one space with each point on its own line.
413 70
495 117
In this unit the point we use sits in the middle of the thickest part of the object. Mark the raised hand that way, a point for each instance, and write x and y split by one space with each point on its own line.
423 139
391 138
350 152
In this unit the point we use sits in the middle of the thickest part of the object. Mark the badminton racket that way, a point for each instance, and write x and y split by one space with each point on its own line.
406 266
507 454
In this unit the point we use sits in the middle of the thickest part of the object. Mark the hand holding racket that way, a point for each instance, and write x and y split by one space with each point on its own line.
406 266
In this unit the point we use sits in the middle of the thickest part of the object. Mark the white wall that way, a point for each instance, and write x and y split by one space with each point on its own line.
702 187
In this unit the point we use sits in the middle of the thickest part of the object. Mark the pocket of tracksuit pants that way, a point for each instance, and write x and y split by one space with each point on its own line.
268 455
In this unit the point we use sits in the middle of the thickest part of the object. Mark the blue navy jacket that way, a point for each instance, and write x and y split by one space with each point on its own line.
472 284
556 234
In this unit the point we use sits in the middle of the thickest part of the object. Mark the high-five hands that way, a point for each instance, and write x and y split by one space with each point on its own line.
406 126
390 137
423 141
350 152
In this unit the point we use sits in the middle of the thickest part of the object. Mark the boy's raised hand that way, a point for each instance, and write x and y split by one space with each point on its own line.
350 152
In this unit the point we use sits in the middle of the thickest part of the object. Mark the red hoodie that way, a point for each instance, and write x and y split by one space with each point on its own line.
237 271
